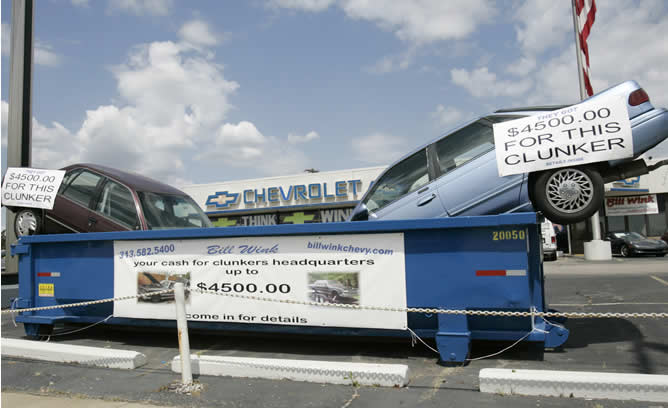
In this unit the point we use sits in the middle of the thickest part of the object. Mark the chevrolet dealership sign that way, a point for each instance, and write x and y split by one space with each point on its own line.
298 193
318 190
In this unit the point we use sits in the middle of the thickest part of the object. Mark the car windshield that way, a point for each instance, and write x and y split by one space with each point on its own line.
163 211
629 235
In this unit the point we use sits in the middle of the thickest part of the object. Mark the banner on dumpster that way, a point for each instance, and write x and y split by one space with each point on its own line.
341 269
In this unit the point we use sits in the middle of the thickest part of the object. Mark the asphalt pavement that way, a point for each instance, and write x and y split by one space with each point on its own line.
571 284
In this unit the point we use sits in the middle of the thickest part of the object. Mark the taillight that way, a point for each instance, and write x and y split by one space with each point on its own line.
554 240
638 97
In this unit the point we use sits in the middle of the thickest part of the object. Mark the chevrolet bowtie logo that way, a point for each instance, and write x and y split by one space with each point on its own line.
222 199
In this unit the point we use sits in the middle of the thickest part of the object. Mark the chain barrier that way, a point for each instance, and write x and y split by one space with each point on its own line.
92 302
573 315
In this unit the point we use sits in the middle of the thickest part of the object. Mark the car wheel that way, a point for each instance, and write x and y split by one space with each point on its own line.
27 222
550 257
660 255
624 251
568 195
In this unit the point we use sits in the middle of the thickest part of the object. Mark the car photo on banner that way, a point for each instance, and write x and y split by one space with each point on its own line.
458 173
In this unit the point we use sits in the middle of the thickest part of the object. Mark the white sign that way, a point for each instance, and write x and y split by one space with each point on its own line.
26 187
589 132
631 205
345 269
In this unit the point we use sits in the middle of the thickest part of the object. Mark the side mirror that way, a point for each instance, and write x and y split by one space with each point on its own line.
361 213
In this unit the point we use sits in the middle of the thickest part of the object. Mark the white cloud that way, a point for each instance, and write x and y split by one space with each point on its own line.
44 54
393 63
4 108
524 66
197 32
379 148
310 136
423 21
52 146
482 83
306 5
168 82
173 100
6 39
244 134
80 3
543 25
141 7
447 117
418 22
242 145
626 42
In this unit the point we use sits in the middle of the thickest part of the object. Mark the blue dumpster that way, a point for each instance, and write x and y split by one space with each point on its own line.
277 275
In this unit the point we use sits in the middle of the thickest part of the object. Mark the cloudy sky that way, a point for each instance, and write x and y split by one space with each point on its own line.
209 91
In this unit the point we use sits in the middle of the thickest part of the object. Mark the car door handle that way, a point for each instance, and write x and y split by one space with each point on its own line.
425 200
91 221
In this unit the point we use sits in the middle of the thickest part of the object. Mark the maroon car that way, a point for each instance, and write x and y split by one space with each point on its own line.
96 198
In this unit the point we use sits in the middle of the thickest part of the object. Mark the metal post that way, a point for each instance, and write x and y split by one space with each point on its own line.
595 249
20 107
182 325
583 91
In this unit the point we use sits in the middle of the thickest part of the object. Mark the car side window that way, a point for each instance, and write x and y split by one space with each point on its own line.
82 187
464 145
67 178
117 204
476 139
405 177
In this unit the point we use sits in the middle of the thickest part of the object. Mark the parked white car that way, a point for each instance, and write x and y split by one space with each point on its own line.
549 241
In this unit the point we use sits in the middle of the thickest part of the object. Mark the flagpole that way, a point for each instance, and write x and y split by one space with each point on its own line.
593 250
578 54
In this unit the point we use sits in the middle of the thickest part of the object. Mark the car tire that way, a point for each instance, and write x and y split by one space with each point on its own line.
568 195
27 221
660 255
624 251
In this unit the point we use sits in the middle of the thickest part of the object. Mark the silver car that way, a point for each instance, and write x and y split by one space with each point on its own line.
457 175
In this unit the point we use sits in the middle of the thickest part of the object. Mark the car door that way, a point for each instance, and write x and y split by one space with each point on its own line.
469 183
115 209
72 205
404 191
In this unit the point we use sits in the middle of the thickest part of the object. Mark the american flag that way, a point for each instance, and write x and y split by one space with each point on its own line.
586 12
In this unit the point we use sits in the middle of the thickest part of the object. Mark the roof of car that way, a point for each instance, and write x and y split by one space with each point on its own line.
531 108
135 181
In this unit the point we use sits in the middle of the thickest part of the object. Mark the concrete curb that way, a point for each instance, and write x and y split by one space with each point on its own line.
617 386
67 353
328 372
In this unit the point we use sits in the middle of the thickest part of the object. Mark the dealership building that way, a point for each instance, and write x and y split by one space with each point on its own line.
305 198
635 204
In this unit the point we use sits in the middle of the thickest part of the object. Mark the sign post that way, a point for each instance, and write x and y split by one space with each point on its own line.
20 108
